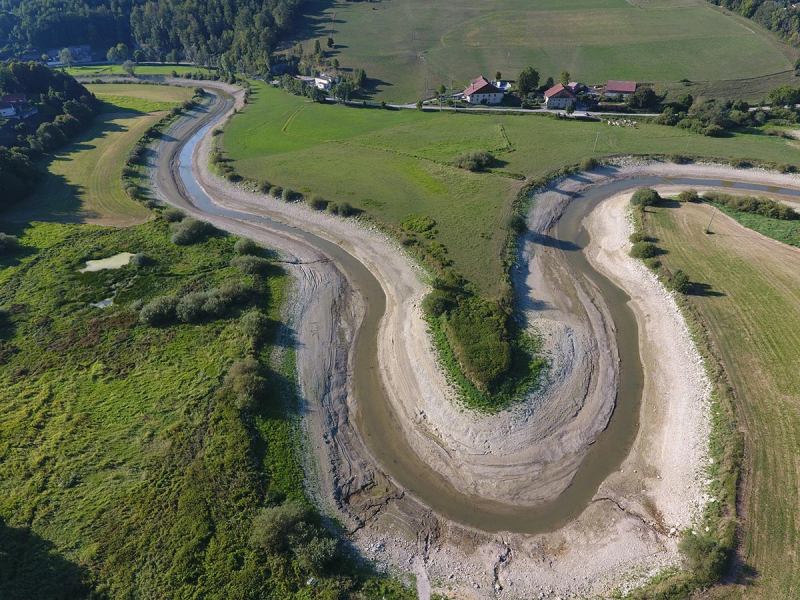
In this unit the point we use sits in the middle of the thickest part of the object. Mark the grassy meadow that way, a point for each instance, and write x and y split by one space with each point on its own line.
83 179
749 299
411 47
148 69
396 163
129 468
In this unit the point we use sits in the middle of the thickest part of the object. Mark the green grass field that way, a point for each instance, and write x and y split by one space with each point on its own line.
752 310
100 70
83 179
125 466
396 163
410 47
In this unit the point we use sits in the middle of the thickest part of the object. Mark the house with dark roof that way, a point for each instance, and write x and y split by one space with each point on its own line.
620 89
559 96
481 91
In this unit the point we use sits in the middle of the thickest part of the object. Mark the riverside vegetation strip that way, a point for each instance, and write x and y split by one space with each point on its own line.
397 166
131 463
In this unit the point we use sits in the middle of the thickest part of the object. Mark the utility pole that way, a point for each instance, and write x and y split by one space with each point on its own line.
596 137
713 214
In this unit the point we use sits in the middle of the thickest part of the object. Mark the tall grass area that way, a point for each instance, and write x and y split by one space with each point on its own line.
144 457
745 300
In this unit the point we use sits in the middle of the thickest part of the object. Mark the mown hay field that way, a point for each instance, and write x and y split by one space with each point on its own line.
410 47
83 182
750 302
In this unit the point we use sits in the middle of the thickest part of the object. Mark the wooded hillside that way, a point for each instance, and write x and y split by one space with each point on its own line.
241 32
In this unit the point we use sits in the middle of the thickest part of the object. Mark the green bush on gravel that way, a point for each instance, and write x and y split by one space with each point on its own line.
645 197
189 231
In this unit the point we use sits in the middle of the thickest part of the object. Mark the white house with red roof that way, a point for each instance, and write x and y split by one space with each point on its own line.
559 96
620 89
481 91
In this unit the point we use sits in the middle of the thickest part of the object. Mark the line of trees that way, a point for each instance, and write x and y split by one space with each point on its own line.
782 16
68 108
242 33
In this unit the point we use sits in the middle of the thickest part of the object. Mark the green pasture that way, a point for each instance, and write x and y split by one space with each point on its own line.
749 299
409 48
393 163
119 457
144 69
83 182
139 98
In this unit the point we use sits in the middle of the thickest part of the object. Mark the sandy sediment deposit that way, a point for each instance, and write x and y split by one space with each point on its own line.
521 456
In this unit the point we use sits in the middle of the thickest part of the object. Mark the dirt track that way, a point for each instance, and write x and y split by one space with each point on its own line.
624 533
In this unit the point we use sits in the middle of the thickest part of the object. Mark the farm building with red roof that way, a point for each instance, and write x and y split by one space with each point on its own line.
620 88
480 91
559 96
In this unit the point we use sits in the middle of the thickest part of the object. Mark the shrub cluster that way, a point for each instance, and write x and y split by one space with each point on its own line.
159 311
8 243
644 250
750 204
477 160
141 260
172 215
194 307
247 382
317 202
246 247
189 231
645 197
290 527
255 325
589 164
250 265
688 196
679 282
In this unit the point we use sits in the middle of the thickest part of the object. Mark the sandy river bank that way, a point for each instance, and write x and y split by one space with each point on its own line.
522 456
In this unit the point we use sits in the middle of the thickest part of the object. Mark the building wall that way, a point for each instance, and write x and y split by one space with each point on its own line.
485 98
559 102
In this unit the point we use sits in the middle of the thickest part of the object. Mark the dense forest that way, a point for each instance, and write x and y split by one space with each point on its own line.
781 16
65 108
236 33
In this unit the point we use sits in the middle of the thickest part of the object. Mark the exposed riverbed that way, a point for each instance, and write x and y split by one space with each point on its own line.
613 502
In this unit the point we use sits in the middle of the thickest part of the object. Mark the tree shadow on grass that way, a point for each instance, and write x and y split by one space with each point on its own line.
30 567
704 290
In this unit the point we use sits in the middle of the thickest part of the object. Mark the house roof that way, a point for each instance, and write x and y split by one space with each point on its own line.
557 90
6 105
15 98
621 86
481 85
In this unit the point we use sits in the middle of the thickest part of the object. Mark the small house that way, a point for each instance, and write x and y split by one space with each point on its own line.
620 89
559 97
481 91
8 110
324 82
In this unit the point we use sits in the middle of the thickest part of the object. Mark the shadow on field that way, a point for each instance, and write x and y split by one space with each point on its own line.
30 567
704 290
